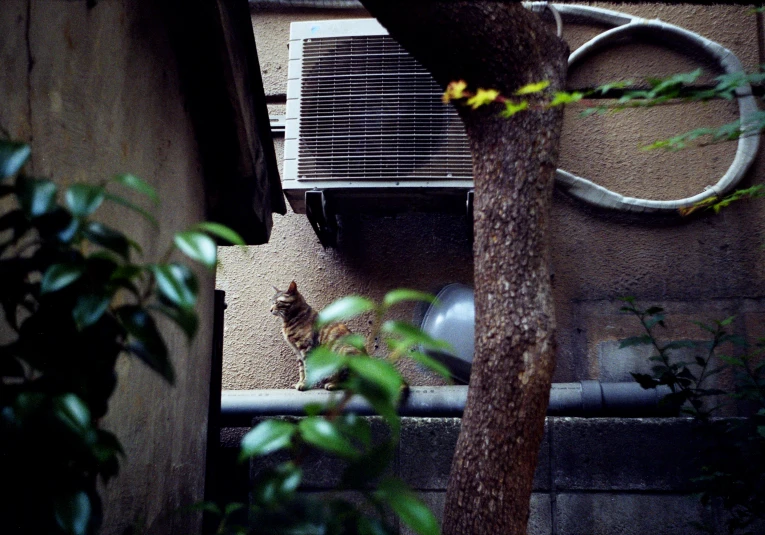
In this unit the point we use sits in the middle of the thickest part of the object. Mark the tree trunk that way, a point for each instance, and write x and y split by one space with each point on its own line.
503 46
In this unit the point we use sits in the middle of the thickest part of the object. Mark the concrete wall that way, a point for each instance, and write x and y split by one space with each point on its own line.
96 91
599 476
699 268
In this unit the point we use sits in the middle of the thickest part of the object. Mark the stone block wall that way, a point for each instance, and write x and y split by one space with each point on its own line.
595 476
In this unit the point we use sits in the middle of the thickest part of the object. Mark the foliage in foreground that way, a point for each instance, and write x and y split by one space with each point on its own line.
74 300
367 499
731 466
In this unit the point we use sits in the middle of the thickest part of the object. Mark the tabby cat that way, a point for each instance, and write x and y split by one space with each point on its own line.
298 329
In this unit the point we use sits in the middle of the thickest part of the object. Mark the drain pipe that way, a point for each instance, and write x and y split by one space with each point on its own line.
583 399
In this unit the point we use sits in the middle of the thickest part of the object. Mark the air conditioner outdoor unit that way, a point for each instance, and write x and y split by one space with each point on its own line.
366 129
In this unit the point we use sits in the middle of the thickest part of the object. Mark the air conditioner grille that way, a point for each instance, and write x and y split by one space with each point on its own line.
369 111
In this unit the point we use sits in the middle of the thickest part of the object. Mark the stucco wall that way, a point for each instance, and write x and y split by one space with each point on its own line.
699 268
96 91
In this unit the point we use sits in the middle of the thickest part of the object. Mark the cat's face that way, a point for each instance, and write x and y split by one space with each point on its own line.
283 301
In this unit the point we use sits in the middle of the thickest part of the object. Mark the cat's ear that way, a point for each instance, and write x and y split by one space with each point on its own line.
293 288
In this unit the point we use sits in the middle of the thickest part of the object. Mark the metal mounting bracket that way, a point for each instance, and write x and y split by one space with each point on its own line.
469 213
322 219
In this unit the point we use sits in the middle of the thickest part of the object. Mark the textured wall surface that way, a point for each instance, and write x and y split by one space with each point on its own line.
96 92
701 267
597 476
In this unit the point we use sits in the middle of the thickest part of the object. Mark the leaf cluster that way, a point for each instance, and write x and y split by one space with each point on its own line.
533 96
278 505
74 299
731 465
677 88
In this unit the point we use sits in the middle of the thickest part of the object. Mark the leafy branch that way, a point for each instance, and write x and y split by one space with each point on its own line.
675 89
730 465
74 299
330 429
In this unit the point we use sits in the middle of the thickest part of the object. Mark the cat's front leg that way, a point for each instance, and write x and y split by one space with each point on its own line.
300 385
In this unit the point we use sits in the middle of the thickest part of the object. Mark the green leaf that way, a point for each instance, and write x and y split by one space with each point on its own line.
134 207
409 508
89 309
660 86
198 246
36 196
379 372
605 88
635 341
321 363
345 308
705 327
267 437
108 238
232 508
371 526
353 340
176 283
378 398
83 199
277 485
60 276
411 333
73 512
221 231
13 156
430 363
562 97
322 434
533 88
135 183
511 108
727 321
652 321
72 411
370 466
67 234
354 426
403 294
313 409
184 318
733 361
206 507
148 344
153 358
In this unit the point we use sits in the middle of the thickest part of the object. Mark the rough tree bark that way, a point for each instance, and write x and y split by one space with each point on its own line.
492 44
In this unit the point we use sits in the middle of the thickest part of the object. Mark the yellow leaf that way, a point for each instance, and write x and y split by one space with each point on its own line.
533 88
454 91
482 97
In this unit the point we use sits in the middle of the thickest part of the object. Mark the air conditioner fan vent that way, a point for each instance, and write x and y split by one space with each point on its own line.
369 111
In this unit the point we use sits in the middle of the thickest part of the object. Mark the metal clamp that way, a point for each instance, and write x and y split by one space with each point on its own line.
321 217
